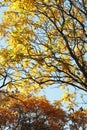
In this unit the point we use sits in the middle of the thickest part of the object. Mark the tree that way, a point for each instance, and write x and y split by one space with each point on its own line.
31 113
46 44
19 112
47 38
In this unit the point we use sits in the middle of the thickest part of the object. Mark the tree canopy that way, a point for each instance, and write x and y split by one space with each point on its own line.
45 44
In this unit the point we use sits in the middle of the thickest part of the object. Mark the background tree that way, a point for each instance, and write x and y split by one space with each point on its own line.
31 113
19 112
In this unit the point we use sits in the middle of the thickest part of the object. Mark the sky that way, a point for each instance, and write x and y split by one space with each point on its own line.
52 93
55 92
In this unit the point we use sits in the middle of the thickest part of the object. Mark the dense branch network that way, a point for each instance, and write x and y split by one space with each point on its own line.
46 43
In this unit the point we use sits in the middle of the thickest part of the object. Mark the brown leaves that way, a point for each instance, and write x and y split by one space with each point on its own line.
17 111
39 108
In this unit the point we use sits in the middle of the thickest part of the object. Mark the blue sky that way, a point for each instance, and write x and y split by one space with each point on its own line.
54 93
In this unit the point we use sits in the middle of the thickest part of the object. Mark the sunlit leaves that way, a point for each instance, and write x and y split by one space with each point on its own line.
46 41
